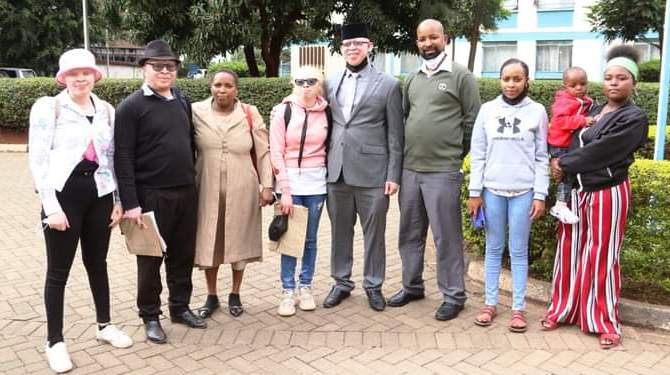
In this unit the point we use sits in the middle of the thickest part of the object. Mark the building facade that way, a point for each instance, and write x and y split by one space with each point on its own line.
549 35
119 59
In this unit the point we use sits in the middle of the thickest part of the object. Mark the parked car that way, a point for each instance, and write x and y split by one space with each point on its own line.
17 73
196 73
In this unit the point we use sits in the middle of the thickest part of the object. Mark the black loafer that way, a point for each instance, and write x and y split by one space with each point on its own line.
448 311
154 332
376 299
402 297
187 317
335 296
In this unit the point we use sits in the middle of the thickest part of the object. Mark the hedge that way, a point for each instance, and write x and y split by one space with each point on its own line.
647 152
645 258
650 71
17 95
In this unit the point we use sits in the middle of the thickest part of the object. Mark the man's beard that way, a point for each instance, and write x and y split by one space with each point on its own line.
430 55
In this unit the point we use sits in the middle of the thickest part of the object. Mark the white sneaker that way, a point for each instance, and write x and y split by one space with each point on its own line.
58 357
306 299
114 336
287 304
564 214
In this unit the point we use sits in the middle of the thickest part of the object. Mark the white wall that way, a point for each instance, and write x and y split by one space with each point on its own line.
590 55
121 71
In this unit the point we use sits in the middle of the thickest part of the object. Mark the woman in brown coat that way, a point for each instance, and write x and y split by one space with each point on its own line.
228 134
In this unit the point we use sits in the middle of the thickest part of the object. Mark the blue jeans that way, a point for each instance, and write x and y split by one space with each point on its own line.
501 213
314 204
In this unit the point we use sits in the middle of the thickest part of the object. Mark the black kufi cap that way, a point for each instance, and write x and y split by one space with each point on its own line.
355 30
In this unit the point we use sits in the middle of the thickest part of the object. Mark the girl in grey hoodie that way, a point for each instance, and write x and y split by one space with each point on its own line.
509 177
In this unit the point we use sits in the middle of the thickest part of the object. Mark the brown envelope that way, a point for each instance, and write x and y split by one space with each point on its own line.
293 241
143 240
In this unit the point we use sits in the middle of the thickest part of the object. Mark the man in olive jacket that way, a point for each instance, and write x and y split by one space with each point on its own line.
441 102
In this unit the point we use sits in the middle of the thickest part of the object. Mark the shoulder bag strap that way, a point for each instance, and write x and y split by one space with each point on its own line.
250 123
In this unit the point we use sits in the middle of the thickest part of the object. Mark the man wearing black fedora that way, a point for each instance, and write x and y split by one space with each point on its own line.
364 164
154 162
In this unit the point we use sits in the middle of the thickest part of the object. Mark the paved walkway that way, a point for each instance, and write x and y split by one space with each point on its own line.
348 339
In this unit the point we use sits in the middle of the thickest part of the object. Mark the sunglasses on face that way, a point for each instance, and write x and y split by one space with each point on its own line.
158 67
308 81
354 43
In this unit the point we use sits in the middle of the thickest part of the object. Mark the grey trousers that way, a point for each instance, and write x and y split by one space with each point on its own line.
371 205
432 198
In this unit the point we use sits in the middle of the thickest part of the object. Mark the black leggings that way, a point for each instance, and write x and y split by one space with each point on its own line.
89 218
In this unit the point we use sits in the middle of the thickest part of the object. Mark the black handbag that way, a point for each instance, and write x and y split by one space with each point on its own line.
278 227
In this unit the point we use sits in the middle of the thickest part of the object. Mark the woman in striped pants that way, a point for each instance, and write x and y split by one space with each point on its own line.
586 282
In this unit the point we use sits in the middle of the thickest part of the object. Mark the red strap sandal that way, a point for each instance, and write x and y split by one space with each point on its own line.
486 315
609 340
518 322
547 324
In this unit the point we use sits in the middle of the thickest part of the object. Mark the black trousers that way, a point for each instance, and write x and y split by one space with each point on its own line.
175 210
89 218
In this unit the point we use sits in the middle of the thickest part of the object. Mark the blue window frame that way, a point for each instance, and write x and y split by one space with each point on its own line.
552 58
494 54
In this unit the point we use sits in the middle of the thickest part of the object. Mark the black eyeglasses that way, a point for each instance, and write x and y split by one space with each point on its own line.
354 43
308 81
158 67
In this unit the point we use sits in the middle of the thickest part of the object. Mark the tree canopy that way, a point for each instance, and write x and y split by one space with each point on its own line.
629 20
34 33
393 24
38 31
203 29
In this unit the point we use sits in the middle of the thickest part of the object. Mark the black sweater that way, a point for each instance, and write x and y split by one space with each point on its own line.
601 154
153 145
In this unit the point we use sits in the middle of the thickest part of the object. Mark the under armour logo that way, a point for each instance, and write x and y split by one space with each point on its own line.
513 125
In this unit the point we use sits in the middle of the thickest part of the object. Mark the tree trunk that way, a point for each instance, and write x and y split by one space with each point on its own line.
250 57
473 51
274 55
272 65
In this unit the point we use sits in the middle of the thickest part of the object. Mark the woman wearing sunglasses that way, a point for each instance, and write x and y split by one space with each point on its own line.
298 153
228 136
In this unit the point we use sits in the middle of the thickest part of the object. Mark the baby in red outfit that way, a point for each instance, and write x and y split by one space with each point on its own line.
569 113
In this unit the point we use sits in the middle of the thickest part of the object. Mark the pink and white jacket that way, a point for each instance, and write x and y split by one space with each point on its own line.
285 141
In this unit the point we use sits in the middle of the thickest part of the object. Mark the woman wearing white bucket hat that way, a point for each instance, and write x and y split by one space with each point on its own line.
71 159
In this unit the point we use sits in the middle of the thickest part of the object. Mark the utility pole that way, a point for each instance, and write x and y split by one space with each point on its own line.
662 118
83 6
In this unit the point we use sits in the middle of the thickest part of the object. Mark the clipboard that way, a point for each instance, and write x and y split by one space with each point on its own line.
143 241
292 242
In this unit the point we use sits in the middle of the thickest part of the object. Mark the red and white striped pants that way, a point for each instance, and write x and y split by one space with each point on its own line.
587 282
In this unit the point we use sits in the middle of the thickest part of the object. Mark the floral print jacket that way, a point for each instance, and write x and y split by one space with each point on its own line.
59 136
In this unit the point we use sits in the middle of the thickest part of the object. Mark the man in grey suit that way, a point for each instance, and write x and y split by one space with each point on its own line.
441 102
364 164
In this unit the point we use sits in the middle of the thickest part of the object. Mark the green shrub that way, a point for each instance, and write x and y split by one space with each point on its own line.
645 257
647 152
650 71
239 67
17 95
